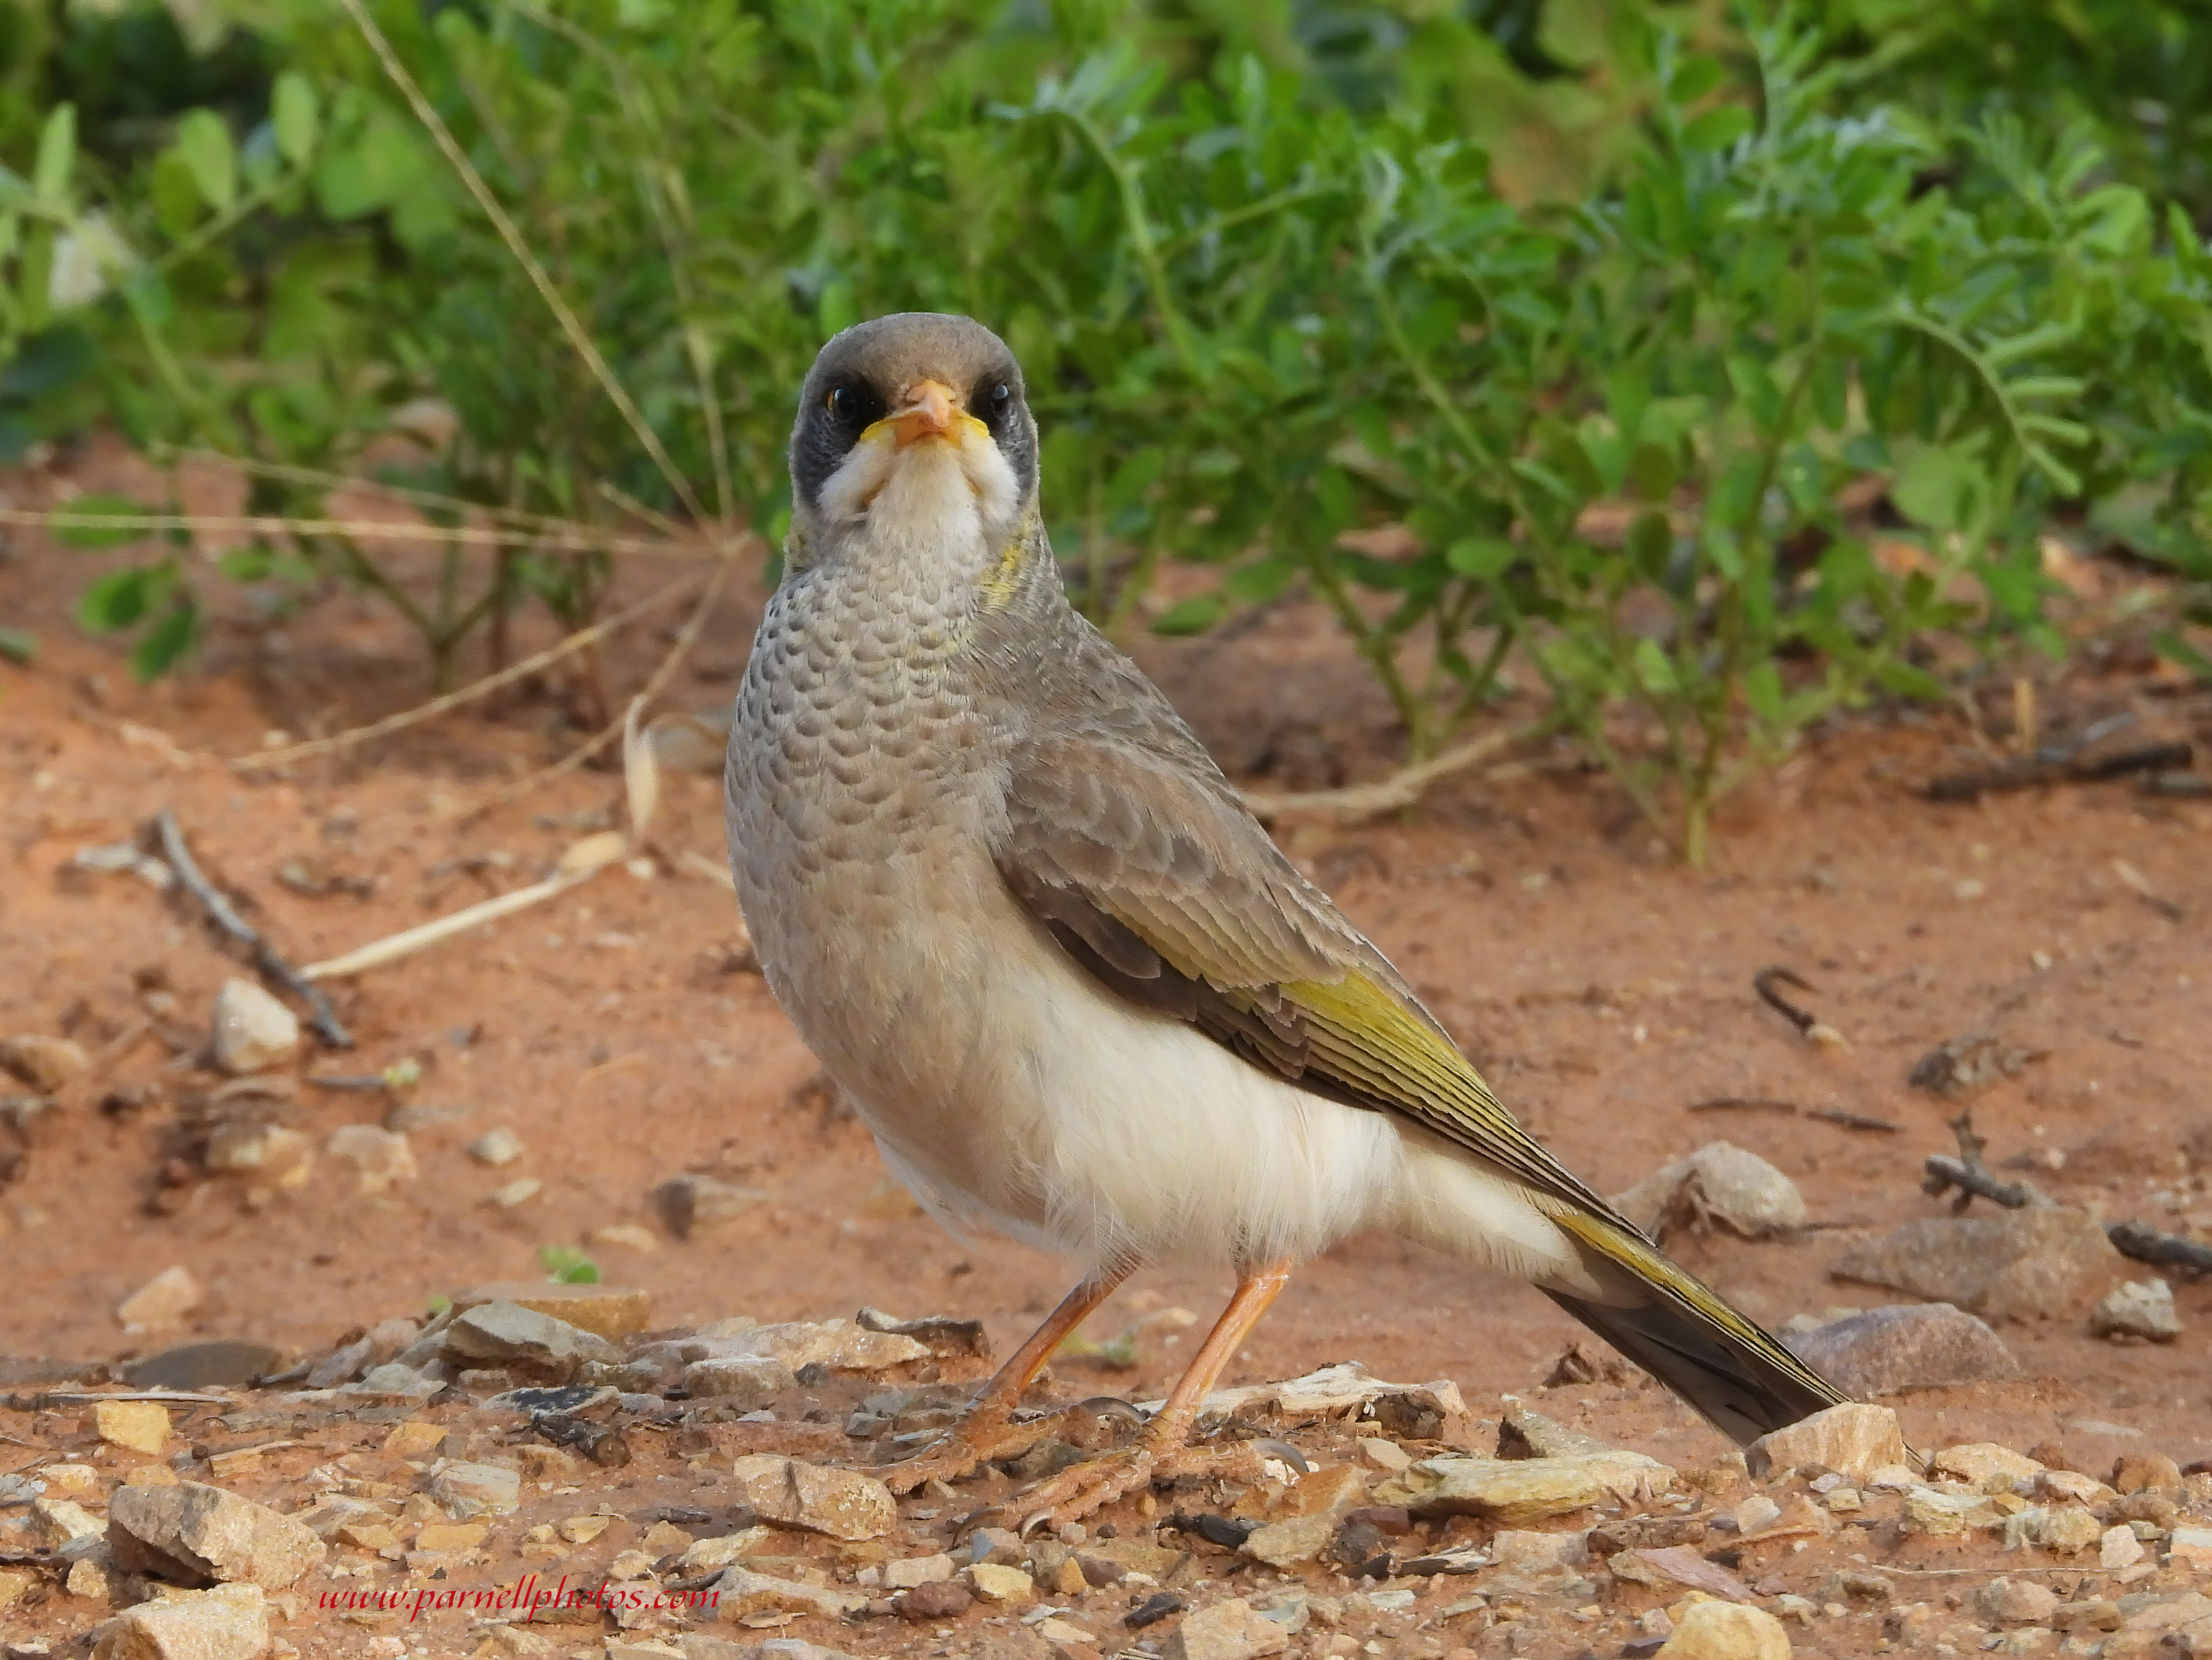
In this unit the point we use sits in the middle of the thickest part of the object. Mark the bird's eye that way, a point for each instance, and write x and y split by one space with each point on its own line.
842 404
1001 396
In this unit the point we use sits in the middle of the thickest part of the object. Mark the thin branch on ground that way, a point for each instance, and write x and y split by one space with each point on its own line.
557 538
323 1017
263 759
599 741
1401 789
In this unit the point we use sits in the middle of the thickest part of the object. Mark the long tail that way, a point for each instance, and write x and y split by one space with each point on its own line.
1684 1334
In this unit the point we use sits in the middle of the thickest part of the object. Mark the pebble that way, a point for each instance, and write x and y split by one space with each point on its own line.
746 1381
1726 1631
230 1622
2017 1602
1299 1539
914 1570
266 1152
836 1344
1379 1454
139 1425
1904 1345
1940 1515
469 1490
382 1159
193 1533
690 1206
1518 1490
2190 1548
525 1340
2137 1308
2069 1530
613 1312
2026 1264
1854 1440
1228 1630
221 1362
496 1147
1719 1185
623 1236
85 1577
44 1063
251 1031
995 1583
520 1191
2119 1547
164 1300
739 1592
1986 1466
936 1599
816 1498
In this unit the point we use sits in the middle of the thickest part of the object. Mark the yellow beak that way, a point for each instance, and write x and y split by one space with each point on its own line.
930 412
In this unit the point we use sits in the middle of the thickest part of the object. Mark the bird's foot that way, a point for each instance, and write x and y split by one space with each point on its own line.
1083 1489
985 1436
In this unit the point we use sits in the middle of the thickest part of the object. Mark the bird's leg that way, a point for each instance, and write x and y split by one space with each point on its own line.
1164 1450
987 1430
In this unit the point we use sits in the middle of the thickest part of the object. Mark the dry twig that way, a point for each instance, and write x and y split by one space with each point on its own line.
322 1017
1401 789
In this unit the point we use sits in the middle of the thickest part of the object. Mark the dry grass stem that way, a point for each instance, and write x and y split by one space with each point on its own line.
1400 790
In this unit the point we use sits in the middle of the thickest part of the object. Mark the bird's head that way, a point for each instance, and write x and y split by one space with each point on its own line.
913 430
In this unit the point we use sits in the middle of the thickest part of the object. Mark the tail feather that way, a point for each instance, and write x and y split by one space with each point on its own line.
1686 1335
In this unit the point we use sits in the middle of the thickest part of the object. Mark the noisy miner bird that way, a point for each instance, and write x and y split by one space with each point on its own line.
1008 899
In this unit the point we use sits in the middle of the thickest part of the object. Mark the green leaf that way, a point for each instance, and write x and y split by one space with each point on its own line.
76 524
1655 669
294 116
116 601
1932 488
1193 615
567 1266
1484 558
57 156
18 645
1911 681
204 143
168 641
1717 129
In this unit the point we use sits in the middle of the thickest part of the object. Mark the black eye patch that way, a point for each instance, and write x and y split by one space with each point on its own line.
828 429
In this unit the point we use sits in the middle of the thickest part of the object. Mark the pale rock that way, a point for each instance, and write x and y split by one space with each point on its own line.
230 1622
520 1191
2119 1547
746 1381
65 1526
1527 1432
2070 1529
996 1582
262 1152
1386 1455
1228 1630
711 1556
46 1064
253 1032
842 1503
2072 1484
1725 1631
1524 1562
380 1158
504 1333
1939 1514
2169 1612
1298 1539
613 1312
162 1301
471 1490
906 1574
1893 1478
139 1426
836 1344
86 1578
195 1531
740 1591
1854 1440
74 1478
2138 1308
1718 1185
2190 1548
1517 1490
2016 1602
1903 1345
1986 1466
496 1147
691 1206
2026 1264
1334 1391
623 1236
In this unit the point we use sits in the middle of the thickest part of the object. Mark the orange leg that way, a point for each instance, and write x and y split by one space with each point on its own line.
1164 1450
987 1430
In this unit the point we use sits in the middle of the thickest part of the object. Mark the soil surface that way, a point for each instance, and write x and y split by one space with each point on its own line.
618 1032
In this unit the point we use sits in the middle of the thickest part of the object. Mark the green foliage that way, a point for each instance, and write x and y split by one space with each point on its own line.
1531 336
565 1265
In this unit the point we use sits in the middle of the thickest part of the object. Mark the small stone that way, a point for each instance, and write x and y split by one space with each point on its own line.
2072 1484
692 1205
1300 1539
413 1437
367 1535
70 1478
382 1159
1725 1631
2090 1613
936 1599
1068 1578
44 1063
2139 1308
253 1032
139 1426
164 1300
1386 1455
1986 1466
230 1622
520 1191
1719 1185
267 1153
2190 1548
2147 1471
2069 1530
469 1490
665 1538
995 1583
1940 1515
1904 1345
2033 1263
1513 1491
450 1536
2017 1602
739 1592
582 1529
613 1312
87 1577
496 1147
16 1584
2119 1547
1001 1545
1854 1440
1527 1433
222 1362
522 1340
842 1503
747 1381
196 1534
906 1574
1228 1630
623 1236
836 1344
